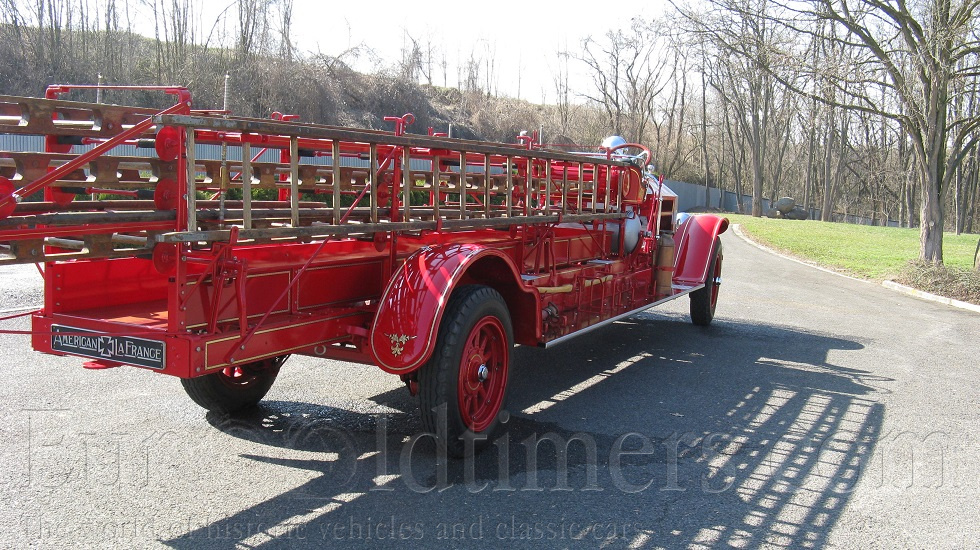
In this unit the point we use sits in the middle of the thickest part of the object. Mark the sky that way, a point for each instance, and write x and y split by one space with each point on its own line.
522 36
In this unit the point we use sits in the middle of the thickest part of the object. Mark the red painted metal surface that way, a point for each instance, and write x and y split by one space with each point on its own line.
356 260
404 329
695 247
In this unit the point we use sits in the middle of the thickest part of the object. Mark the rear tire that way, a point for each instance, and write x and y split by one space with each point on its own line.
463 386
234 389
705 299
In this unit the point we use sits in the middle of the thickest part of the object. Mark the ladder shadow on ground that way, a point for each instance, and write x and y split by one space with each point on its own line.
648 432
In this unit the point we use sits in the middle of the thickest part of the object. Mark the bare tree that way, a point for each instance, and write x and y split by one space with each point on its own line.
627 77
746 42
926 55
563 105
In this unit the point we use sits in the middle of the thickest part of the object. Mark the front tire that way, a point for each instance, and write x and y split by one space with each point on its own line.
705 299
463 386
234 389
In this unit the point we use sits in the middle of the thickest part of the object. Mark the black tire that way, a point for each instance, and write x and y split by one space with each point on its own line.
461 398
234 389
705 299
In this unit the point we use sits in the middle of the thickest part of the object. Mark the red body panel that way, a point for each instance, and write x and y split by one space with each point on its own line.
695 245
404 329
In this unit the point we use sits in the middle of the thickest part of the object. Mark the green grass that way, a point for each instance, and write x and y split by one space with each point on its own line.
859 250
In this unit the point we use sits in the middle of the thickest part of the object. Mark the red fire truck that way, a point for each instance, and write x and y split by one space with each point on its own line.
210 247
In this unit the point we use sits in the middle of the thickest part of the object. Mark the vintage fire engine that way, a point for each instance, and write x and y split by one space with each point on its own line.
427 256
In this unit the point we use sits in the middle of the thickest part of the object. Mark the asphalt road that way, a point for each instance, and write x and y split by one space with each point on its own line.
816 411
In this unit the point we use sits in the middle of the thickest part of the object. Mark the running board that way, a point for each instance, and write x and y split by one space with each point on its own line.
556 341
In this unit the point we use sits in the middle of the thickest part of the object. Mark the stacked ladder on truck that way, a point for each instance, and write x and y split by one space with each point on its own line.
118 181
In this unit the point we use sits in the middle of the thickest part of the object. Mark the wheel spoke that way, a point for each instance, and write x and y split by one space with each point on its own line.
481 342
467 405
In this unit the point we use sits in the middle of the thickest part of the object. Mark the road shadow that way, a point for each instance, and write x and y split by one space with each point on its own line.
650 432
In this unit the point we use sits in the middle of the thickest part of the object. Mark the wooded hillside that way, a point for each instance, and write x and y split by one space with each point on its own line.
869 108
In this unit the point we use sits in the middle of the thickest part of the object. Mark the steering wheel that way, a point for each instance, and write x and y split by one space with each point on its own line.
644 151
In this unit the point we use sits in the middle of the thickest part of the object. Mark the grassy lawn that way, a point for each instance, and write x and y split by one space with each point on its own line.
859 250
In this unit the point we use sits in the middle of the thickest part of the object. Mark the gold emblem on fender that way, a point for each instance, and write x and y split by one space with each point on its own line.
398 342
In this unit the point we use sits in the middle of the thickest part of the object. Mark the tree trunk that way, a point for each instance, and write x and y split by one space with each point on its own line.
757 167
931 229
811 143
828 203
976 258
704 137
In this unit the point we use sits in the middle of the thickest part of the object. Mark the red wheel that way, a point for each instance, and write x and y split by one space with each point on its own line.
166 194
167 143
463 387
59 197
705 299
483 374
234 388
165 258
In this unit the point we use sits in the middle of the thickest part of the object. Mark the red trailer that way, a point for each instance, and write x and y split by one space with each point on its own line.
210 247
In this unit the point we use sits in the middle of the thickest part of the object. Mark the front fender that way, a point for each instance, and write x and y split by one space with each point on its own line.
695 247
404 331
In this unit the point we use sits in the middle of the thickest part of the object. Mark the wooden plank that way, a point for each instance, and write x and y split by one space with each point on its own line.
564 189
486 186
508 167
335 168
462 185
370 228
436 186
294 180
247 184
191 175
373 182
407 184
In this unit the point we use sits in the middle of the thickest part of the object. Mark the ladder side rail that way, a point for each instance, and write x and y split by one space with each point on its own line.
408 183
189 198
436 186
294 181
333 231
373 181
463 191
564 189
486 187
351 135
247 176
546 187
509 199
335 188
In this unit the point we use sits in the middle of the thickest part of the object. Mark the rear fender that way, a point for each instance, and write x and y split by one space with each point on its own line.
405 327
695 247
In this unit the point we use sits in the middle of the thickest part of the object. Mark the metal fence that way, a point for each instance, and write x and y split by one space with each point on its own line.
690 195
